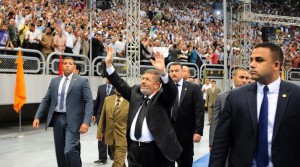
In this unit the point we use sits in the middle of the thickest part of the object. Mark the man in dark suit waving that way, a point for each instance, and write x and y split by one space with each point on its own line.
258 123
187 114
71 105
151 139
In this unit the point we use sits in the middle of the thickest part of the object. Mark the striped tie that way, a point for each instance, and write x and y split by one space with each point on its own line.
118 102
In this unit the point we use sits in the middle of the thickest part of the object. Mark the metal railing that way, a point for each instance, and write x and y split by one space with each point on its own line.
38 65
293 74
118 62
52 62
31 64
211 68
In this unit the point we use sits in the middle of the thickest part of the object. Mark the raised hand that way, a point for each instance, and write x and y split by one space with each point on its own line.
109 56
159 62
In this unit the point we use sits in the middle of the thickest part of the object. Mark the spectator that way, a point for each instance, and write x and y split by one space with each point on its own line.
13 32
120 43
78 42
4 39
46 42
32 38
59 41
70 39
22 32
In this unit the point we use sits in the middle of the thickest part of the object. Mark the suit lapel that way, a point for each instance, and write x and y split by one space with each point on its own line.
283 98
184 89
57 81
73 80
252 104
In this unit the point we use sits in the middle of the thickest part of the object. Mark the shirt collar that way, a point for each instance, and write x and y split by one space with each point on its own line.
69 77
150 97
180 82
274 86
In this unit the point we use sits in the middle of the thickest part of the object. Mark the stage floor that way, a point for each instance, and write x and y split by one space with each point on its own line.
36 147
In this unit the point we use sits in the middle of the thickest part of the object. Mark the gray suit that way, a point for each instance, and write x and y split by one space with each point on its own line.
79 108
217 110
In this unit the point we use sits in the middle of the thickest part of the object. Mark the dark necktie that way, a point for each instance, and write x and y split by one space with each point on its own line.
107 90
176 105
62 95
140 119
262 157
118 102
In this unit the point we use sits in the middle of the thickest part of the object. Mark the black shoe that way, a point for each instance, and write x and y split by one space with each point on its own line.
101 161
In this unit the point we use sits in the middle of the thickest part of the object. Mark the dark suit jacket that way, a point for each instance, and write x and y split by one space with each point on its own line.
217 110
190 113
237 129
79 102
101 94
157 117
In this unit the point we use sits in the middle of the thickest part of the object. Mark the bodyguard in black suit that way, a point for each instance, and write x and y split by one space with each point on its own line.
103 91
259 123
152 141
187 114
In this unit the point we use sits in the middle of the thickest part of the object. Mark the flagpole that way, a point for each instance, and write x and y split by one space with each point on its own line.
20 125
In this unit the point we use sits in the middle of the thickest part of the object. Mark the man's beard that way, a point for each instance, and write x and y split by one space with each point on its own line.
145 91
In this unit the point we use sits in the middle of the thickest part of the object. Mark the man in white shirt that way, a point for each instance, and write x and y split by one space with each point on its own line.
259 121
206 86
33 38
70 39
152 141
120 43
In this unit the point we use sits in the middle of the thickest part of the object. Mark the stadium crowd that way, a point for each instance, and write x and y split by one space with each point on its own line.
193 30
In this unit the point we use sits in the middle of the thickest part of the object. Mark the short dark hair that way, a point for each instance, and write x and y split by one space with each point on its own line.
32 25
78 67
213 81
70 58
276 51
238 69
176 64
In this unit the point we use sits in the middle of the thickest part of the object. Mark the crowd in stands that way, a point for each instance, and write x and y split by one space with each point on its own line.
191 29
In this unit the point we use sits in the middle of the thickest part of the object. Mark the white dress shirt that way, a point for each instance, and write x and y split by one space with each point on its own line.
179 88
146 134
32 36
272 106
59 92
70 40
204 88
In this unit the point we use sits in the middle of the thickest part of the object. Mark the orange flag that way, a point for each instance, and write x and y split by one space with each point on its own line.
60 67
20 90
282 74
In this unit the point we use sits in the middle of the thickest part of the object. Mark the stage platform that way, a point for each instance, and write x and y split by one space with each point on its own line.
36 147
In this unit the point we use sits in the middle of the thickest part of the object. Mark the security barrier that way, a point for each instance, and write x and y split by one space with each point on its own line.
33 65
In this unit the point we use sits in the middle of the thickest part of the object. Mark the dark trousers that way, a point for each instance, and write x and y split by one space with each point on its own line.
103 149
34 46
68 50
66 143
186 157
146 156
